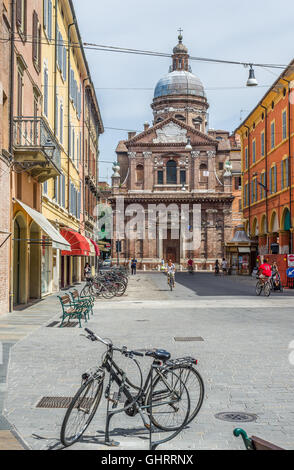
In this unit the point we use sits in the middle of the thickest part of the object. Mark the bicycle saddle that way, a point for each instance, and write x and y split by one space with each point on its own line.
160 354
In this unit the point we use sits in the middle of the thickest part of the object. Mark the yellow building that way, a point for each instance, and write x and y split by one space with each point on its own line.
65 77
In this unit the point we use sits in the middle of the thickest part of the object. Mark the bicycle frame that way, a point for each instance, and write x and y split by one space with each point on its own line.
117 375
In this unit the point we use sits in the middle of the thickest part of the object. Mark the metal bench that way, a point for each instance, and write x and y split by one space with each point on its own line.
70 310
86 302
255 443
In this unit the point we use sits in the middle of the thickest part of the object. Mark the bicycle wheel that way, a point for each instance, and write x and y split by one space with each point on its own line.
170 402
267 289
195 386
87 291
81 411
258 288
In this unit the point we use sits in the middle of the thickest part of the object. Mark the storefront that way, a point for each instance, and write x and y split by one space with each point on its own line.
72 260
35 240
241 253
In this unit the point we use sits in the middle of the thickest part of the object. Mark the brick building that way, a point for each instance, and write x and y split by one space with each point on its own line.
267 152
178 160
5 162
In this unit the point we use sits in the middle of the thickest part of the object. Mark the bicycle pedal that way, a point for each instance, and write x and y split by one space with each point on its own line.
147 426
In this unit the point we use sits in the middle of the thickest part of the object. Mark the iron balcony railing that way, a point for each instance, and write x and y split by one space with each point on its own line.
32 133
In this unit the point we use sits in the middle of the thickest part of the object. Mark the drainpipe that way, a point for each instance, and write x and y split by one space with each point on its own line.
11 106
266 171
68 111
249 185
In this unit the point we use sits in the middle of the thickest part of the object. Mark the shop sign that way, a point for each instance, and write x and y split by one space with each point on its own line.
290 261
290 272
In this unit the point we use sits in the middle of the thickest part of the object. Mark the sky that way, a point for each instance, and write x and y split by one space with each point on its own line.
259 32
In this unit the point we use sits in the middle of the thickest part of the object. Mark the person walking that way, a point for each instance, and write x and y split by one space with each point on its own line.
216 267
224 266
87 271
134 265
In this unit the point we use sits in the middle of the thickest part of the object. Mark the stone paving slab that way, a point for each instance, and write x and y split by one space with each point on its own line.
243 360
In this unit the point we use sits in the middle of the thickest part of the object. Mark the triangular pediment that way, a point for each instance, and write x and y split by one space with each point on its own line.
172 131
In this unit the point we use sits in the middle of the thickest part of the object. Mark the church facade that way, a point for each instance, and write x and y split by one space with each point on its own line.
177 162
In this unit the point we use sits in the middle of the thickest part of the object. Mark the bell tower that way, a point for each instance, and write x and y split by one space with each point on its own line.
180 56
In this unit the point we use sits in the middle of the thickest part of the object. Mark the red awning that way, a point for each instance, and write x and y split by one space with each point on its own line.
96 247
78 243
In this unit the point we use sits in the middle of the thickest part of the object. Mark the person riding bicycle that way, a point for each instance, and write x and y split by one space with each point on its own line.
190 265
171 270
265 270
87 271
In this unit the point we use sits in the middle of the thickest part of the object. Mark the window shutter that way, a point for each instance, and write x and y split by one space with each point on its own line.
69 139
282 174
287 172
261 181
275 179
46 92
39 46
56 115
45 9
18 12
50 19
35 37
61 124
64 63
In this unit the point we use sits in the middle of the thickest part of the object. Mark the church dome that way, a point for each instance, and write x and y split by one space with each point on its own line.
179 82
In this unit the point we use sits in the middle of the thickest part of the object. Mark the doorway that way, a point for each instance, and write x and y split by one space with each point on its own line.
34 263
19 260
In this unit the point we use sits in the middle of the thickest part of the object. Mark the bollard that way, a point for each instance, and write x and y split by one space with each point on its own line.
144 267
210 267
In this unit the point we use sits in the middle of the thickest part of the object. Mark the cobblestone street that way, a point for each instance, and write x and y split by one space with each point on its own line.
243 359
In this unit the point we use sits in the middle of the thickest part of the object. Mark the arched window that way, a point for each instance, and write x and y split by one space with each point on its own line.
180 117
139 174
171 172
203 172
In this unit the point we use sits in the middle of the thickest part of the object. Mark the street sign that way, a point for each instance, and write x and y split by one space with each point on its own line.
290 261
290 272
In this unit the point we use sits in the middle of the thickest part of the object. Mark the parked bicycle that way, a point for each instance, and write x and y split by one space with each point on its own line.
163 400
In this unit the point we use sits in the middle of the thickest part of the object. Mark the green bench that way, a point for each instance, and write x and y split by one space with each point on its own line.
253 442
71 309
86 301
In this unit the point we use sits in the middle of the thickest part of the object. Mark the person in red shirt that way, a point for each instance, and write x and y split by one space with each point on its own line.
190 265
265 270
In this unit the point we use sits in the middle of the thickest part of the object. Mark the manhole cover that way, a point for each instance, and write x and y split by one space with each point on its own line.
236 417
62 402
188 338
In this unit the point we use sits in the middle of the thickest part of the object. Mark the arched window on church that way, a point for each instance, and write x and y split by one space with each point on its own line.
203 173
171 172
139 174
180 117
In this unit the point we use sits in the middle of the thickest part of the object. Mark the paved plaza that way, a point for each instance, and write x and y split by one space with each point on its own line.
243 359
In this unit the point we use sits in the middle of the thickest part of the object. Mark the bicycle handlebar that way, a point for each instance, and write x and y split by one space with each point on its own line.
124 350
98 338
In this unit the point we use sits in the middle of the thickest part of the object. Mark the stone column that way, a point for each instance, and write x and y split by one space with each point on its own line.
132 169
228 230
211 169
195 170
147 170
211 234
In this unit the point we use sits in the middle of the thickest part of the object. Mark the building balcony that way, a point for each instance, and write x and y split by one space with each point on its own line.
36 149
